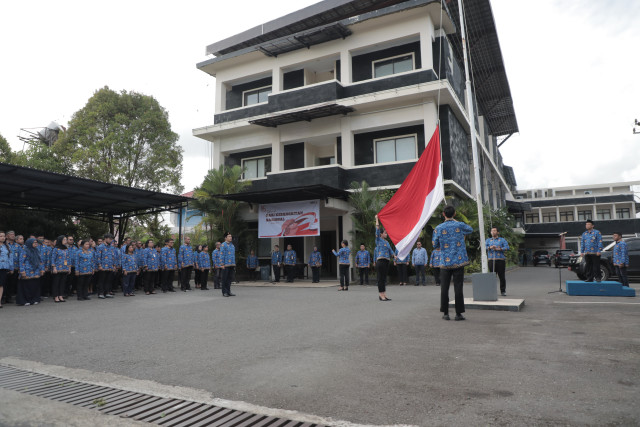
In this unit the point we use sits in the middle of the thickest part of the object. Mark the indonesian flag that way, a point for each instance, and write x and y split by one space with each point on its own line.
416 199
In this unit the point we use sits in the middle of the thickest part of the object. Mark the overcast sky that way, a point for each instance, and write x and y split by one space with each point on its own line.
573 69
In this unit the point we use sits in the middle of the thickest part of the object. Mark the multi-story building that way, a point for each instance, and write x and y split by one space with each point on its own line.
351 90
613 207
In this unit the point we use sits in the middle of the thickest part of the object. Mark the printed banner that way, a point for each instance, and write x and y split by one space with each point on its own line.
289 219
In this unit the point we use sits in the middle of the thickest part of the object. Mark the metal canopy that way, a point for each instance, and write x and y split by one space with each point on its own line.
22 187
509 175
514 206
487 67
303 115
305 39
292 194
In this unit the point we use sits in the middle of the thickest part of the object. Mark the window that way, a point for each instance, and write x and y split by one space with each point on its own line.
623 213
256 167
604 213
256 96
584 215
324 161
532 219
566 216
549 217
395 149
389 66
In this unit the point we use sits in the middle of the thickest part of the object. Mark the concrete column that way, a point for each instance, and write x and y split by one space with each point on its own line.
345 68
216 155
348 158
633 210
595 213
540 215
221 94
613 211
575 213
426 45
276 80
557 214
277 153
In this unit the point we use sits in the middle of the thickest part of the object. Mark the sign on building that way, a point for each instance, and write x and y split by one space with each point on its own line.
291 219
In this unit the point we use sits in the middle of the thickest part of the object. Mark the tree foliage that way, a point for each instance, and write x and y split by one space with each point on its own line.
366 204
6 154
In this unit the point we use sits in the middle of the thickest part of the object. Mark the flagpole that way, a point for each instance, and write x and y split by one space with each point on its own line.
474 147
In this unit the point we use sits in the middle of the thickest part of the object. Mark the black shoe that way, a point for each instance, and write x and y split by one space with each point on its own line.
504 294
416 284
460 317
171 290
225 295
232 295
86 299
446 317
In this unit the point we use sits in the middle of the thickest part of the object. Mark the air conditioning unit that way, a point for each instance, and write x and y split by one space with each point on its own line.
588 192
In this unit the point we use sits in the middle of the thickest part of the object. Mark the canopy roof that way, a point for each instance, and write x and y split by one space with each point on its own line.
22 187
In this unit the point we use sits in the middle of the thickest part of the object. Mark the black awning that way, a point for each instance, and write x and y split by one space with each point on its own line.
292 194
304 39
514 206
302 115
22 187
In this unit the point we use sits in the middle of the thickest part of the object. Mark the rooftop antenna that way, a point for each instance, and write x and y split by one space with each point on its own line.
47 135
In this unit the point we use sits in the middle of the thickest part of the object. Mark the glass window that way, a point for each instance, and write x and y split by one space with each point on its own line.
566 216
256 96
256 168
548 217
623 213
532 219
387 67
324 161
604 213
396 149
584 215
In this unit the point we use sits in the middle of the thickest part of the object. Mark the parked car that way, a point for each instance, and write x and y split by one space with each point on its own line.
562 257
541 257
607 270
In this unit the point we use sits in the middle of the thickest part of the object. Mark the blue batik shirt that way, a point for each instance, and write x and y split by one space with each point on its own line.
383 248
449 237
186 256
435 259
290 257
130 263
419 256
29 270
399 260
6 258
228 254
591 242
216 259
16 249
73 251
252 262
276 257
60 259
315 259
105 257
168 259
203 260
84 262
151 259
493 254
46 257
343 255
621 254
363 259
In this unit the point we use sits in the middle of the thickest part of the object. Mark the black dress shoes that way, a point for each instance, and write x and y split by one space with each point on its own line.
446 317
232 295
225 295
460 317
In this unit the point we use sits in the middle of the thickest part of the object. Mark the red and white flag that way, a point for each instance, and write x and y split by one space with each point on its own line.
416 199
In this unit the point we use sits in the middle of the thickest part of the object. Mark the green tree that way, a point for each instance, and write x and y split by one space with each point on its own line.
6 155
366 204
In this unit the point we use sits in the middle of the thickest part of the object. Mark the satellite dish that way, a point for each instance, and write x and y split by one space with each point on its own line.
47 135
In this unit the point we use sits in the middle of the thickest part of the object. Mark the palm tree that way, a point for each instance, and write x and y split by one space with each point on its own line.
366 204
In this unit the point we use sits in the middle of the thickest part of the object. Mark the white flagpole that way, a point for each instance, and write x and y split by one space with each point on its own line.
474 147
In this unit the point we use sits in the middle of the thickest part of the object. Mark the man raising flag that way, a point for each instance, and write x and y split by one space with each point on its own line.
416 199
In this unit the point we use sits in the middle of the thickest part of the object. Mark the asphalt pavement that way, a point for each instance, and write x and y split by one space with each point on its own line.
562 360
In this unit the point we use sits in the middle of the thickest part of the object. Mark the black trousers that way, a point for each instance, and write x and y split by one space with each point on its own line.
196 277
289 270
217 278
592 266
445 280
252 274
621 272
276 272
420 273
71 282
59 284
150 280
45 284
364 274
82 286
11 289
227 276
402 273
185 278
344 276
382 268
104 282
204 278
315 274
498 266
28 291
167 280
436 275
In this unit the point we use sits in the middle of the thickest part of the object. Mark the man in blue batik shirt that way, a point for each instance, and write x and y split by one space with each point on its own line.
276 262
290 257
315 262
590 247
363 262
621 258
496 248
419 259
449 238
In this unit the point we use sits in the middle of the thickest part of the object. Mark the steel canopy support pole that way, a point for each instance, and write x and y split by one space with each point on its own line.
474 147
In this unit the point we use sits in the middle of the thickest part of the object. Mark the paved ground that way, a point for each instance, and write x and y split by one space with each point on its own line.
562 360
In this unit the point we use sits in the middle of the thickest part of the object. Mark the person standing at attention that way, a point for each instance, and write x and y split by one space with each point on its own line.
496 248
168 265
363 262
6 262
590 247
150 267
276 262
31 269
434 263
228 258
315 261
216 264
621 258
252 265
185 262
419 260
449 238
130 269
290 257
84 269
384 254
344 262
204 264
403 266
60 267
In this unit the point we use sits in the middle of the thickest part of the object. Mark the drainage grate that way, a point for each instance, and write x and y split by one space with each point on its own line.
137 406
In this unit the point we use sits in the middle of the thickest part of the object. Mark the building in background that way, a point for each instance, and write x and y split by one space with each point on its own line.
345 91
